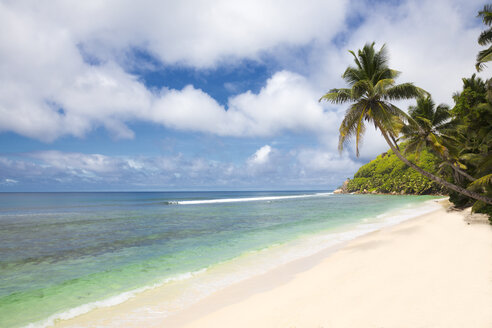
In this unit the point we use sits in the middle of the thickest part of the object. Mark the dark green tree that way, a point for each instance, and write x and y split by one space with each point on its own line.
473 109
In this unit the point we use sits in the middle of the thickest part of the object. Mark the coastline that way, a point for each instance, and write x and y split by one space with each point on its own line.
431 271
140 311
434 270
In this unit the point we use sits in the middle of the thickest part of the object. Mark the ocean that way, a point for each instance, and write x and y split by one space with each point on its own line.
64 254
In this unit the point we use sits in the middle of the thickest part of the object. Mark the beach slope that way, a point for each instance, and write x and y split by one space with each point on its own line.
431 271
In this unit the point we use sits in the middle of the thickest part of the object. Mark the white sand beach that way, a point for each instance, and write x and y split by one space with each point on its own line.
431 271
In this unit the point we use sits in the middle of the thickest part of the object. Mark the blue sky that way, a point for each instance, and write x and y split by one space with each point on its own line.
193 95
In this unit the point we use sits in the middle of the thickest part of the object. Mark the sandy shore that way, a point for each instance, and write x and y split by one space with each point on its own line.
431 271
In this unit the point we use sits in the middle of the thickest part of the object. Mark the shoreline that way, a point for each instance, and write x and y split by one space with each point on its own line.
148 308
434 270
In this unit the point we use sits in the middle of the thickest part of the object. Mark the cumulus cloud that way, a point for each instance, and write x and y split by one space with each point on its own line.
76 161
62 67
64 70
286 102
195 33
261 156
62 75
265 168
323 161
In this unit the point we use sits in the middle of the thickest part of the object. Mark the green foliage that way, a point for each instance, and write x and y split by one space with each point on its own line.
466 107
473 108
372 88
387 174
485 38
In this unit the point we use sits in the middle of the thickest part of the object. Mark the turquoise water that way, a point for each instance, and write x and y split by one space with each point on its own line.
62 250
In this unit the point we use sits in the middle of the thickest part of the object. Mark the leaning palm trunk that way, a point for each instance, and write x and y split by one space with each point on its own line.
432 177
458 170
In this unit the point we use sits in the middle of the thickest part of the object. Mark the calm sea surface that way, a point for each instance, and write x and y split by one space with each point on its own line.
59 251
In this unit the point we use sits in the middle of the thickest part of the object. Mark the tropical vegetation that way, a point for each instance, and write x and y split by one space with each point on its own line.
455 142
372 88
388 174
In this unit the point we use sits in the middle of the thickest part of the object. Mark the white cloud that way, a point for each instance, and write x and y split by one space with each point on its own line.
287 102
326 162
196 33
76 161
267 167
433 43
9 182
261 156
49 90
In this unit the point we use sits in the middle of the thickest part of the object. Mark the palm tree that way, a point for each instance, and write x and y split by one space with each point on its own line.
372 87
478 89
431 127
485 38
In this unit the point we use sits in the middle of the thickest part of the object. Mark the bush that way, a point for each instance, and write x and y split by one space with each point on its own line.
388 174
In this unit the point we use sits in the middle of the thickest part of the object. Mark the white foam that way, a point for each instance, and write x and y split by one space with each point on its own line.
111 301
246 199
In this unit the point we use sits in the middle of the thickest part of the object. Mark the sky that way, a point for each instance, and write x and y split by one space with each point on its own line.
205 95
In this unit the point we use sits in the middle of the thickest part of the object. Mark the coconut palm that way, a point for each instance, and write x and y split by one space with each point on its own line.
431 127
426 126
371 88
485 38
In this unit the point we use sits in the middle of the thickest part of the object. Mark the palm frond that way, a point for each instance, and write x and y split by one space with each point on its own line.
394 73
404 91
483 57
382 85
485 164
348 127
441 115
485 37
383 115
338 96
357 62
415 147
398 112
447 127
381 58
471 158
424 123
437 145
486 180
486 14
353 75
366 58
360 131
362 87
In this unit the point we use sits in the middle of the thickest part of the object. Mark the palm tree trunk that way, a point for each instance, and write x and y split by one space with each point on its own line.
434 178
459 171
